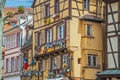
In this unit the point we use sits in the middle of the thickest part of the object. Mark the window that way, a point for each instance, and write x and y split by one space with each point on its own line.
13 64
49 35
78 60
7 42
47 10
13 24
4 41
56 6
7 65
66 60
86 4
18 63
54 63
60 32
13 41
18 39
92 60
88 30
39 39
40 66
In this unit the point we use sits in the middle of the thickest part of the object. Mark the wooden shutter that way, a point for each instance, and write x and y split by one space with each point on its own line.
43 36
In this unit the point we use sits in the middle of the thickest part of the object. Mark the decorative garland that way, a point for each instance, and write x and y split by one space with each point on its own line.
56 43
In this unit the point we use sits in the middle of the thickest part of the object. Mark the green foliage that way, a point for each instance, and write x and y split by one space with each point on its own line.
10 14
20 9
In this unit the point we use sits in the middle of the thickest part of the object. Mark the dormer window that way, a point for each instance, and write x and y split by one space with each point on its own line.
56 6
13 24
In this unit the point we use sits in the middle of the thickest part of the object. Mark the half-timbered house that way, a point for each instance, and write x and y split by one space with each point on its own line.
112 44
67 39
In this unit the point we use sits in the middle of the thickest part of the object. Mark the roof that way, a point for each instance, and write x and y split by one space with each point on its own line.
110 1
109 73
12 28
11 10
90 17
6 27
33 3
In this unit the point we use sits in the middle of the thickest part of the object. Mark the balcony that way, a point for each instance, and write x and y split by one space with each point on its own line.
50 49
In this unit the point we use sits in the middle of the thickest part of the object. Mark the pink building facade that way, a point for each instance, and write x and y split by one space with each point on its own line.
12 58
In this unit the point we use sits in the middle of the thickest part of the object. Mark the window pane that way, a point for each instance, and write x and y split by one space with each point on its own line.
39 39
66 60
89 60
18 37
89 30
94 61
86 4
56 6
47 11
60 32
54 63
40 66
49 35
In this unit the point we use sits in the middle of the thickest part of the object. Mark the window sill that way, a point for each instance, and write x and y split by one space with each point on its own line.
88 37
95 67
85 9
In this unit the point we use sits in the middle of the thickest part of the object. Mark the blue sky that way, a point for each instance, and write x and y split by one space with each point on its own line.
16 3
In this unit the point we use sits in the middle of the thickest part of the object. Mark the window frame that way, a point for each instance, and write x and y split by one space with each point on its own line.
92 60
88 31
68 60
62 33
86 4
12 64
54 60
7 62
39 37
40 66
13 41
50 35
7 42
47 10
19 39
57 6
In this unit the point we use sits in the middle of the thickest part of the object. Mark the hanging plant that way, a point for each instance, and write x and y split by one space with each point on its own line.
10 14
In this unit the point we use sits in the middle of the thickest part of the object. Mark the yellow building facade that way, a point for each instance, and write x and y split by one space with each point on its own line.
67 39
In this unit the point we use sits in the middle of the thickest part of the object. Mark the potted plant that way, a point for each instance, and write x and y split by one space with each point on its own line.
21 9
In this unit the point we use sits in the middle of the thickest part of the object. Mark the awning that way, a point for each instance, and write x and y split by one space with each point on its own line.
109 73
62 78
